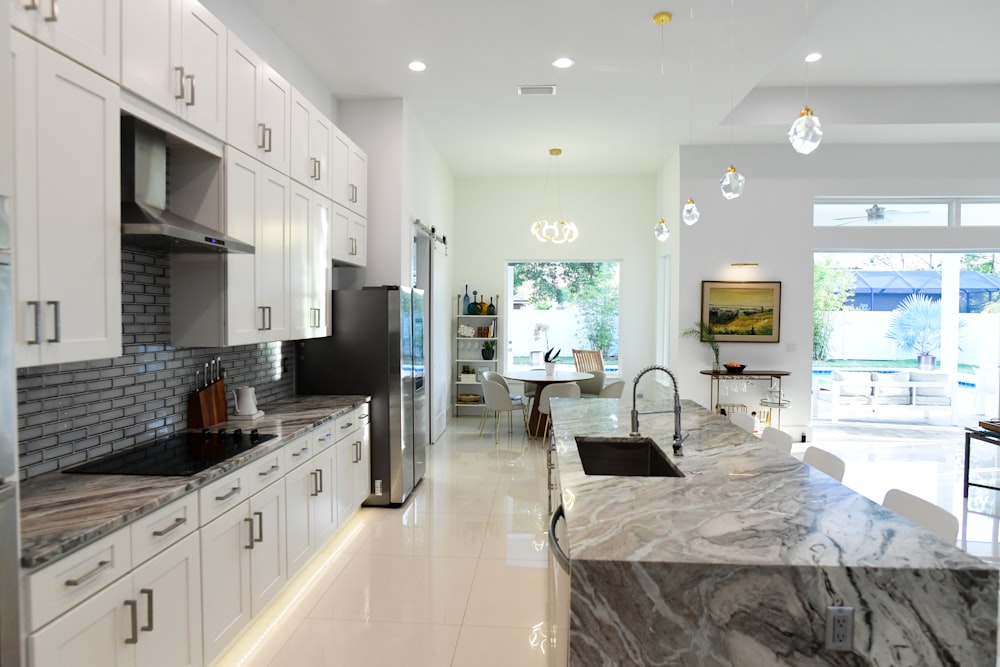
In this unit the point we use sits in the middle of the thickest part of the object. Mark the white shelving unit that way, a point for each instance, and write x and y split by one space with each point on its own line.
469 361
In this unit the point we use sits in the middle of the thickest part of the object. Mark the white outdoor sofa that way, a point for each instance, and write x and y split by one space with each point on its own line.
868 391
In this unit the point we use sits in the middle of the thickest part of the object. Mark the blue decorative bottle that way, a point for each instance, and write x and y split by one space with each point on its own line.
465 302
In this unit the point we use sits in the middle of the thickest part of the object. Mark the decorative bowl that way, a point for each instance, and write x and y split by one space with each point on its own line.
468 398
734 369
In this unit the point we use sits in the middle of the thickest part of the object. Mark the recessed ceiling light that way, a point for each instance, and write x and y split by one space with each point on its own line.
813 57
417 66
562 63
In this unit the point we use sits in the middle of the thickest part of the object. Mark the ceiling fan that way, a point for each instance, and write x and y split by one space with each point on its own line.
877 214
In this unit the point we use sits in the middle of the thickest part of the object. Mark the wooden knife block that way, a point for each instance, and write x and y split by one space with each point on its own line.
207 406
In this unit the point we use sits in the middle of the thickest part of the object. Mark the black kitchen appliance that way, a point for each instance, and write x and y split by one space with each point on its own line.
180 455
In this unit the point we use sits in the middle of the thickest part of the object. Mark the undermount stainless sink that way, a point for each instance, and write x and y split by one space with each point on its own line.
624 456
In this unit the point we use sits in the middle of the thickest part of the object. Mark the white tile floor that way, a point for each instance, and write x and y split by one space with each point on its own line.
458 575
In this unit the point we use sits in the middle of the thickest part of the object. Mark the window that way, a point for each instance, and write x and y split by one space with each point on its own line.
885 213
561 306
981 214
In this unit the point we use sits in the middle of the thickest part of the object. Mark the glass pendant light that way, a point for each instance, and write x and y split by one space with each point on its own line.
661 231
690 213
805 134
731 183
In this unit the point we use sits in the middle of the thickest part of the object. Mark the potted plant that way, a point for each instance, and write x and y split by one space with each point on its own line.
550 360
489 349
916 326
706 335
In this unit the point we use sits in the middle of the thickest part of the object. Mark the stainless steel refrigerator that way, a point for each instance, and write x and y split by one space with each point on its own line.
377 348
10 632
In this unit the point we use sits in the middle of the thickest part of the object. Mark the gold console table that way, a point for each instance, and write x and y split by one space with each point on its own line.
774 377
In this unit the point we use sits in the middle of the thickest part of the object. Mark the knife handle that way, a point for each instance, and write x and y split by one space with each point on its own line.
206 374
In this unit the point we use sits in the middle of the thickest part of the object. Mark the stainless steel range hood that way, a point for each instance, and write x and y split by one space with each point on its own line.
146 222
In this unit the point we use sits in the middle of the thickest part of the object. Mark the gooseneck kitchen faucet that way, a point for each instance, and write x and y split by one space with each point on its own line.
678 442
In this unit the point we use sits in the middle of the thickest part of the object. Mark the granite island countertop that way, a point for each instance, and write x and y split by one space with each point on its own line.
736 562
62 512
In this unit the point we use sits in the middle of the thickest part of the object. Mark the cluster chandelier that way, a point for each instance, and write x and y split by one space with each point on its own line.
559 231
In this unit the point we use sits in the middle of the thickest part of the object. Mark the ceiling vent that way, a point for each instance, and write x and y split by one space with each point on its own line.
536 90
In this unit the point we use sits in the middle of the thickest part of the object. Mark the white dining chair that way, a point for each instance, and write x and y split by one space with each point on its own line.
824 461
591 387
777 439
613 389
936 519
558 390
496 377
497 398
743 420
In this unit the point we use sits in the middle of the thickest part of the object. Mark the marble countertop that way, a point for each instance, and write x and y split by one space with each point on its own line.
741 502
63 512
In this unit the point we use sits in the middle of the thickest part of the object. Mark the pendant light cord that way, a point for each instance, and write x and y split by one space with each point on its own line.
691 79
807 53
732 71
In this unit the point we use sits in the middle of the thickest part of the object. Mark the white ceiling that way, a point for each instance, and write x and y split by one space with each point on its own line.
893 71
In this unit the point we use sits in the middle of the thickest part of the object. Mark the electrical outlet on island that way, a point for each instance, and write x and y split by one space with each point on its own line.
839 628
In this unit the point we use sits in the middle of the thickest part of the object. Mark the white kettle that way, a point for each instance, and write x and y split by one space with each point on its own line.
245 399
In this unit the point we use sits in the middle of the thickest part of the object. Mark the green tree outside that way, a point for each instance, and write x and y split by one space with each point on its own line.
833 285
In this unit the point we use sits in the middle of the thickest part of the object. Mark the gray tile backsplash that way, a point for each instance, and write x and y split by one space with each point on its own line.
68 413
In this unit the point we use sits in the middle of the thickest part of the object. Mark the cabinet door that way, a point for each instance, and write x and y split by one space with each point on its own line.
88 31
358 181
362 466
341 168
319 263
150 38
301 313
168 592
203 57
345 453
320 147
325 514
268 572
340 230
244 127
91 635
67 211
302 167
301 487
358 239
244 321
271 253
275 112
225 578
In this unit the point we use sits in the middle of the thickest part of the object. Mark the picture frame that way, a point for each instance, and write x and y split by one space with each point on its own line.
742 312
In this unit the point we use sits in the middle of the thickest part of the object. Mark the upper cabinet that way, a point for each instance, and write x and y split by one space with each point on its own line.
348 237
174 54
86 31
67 211
312 141
309 263
259 107
350 174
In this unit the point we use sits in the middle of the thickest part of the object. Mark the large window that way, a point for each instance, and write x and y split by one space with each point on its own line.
561 306
906 212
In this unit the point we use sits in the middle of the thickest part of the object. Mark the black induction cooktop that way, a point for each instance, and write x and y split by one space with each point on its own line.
183 454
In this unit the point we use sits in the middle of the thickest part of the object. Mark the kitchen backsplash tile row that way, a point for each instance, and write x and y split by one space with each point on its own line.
68 413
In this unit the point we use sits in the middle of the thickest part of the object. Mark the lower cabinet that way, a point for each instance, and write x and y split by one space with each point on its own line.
149 618
243 565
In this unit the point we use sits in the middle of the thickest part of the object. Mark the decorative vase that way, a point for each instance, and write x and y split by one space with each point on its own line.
473 308
550 367
487 354
465 301
491 309
926 362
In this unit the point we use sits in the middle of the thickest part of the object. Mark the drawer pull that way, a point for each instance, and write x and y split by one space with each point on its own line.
179 95
320 472
347 425
260 526
325 437
148 592
133 612
314 474
178 522
302 451
270 471
263 141
232 492
250 521
101 567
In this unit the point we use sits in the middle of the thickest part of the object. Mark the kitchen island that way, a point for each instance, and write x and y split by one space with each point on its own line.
736 562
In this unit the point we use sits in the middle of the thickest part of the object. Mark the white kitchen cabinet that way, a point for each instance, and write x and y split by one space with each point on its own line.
149 618
353 462
86 31
67 215
350 174
346 454
362 463
238 299
312 145
308 289
268 571
173 53
259 107
348 237
301 490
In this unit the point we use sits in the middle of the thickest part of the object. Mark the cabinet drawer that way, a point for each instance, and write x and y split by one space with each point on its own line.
266 470
325 435
299 451
71 580
223 494
346 424
167 525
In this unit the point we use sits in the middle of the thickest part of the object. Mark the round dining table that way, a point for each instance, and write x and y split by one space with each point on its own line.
541 379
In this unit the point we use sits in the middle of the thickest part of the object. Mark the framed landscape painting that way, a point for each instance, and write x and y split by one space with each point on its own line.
742 312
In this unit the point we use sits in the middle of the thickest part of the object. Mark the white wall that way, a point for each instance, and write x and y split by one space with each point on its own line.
615 216
772 224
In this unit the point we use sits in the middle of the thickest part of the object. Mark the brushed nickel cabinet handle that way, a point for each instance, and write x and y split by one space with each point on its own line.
38 323
53 14
319 170
101 567
263 132
179 95
347 425
148 592
270 471
190 78
250 521
304 450
178 522
314 474
56 320
134 639
31 4
232 492
267 132
260 526
263 318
